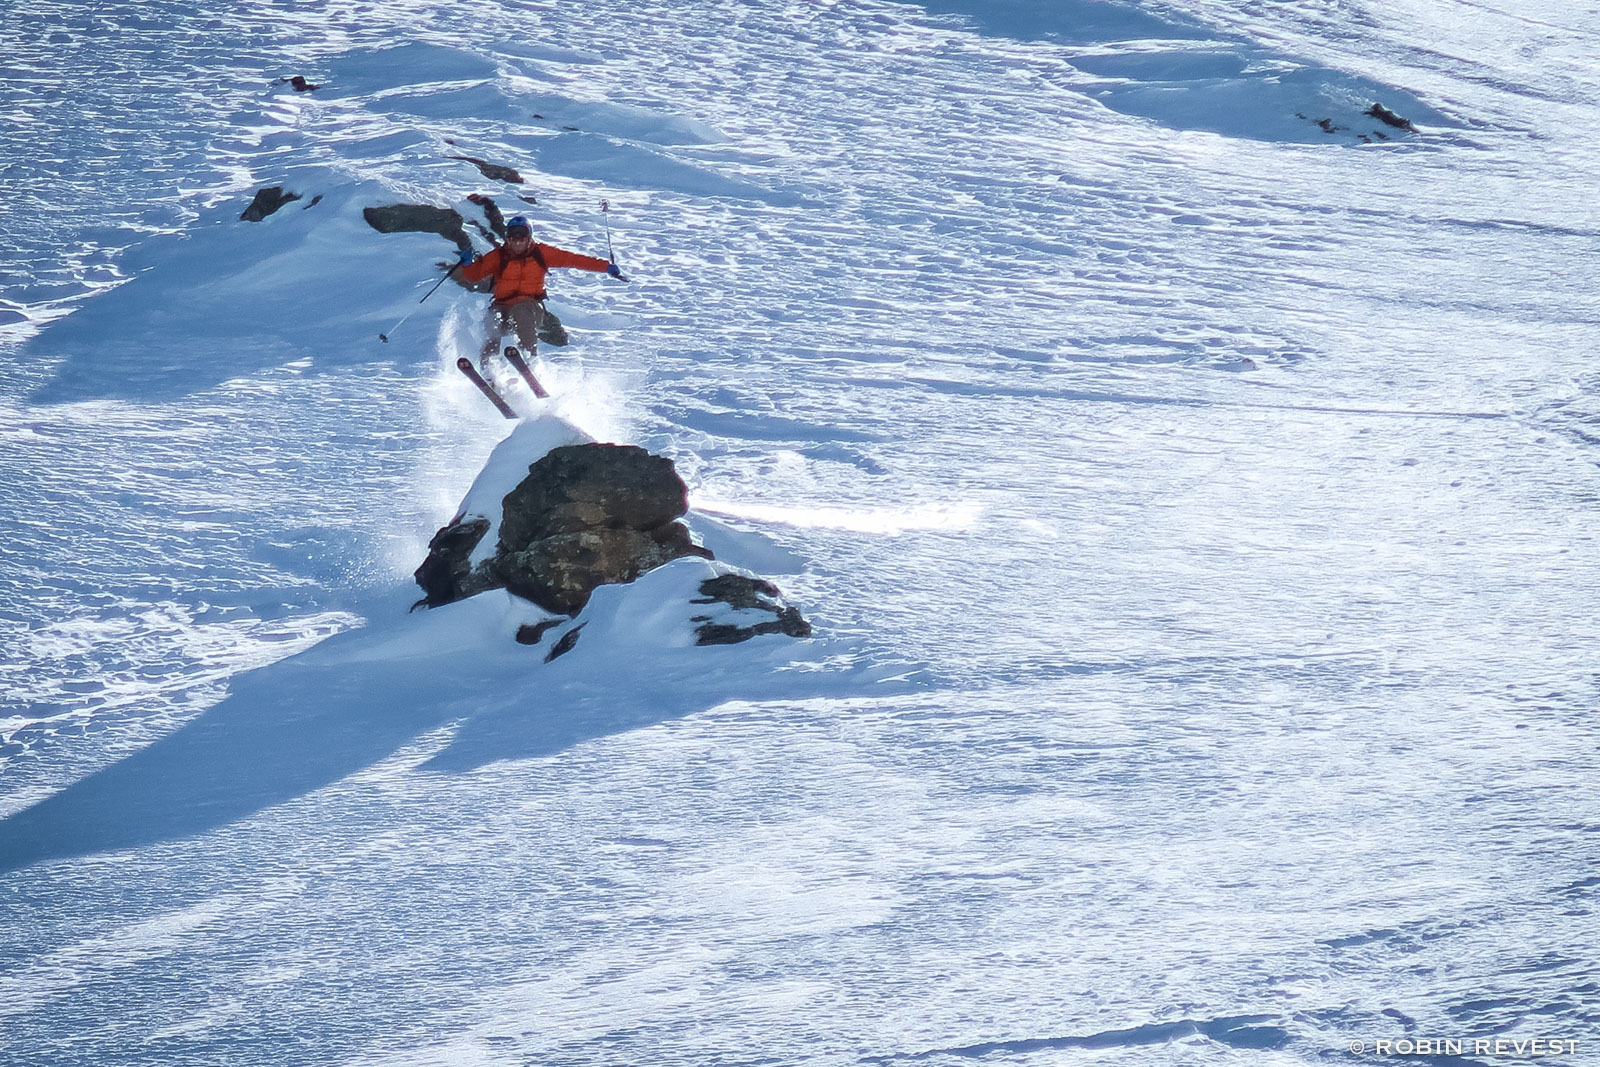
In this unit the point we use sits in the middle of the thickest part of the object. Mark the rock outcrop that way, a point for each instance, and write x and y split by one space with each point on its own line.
588 515
1389 118
419 218
267 201
448 574
491 212
1376 111
493 171
560 572
585 516
751 598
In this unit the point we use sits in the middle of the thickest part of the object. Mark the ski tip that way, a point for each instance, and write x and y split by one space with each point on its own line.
464 363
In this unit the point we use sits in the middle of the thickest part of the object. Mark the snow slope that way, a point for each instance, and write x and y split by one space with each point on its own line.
1193 503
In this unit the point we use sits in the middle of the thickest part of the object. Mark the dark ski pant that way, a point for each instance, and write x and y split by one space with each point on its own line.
522 318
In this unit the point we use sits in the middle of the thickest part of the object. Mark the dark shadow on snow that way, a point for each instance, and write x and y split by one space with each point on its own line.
1241 1031
306 722
284 731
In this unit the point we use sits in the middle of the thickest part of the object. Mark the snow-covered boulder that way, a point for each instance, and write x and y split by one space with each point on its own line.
584 515
575 488
691 601
555 516
559 572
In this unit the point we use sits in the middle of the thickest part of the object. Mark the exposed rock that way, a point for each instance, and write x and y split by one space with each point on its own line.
1389 118
266 202
738 591
491 212
534 633
1376 111
585 516
493 170
447 573
588 515
568 642
560 572
576 488
745 593
418 218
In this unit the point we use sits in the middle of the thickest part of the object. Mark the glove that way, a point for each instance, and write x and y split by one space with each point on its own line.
614 270
466 255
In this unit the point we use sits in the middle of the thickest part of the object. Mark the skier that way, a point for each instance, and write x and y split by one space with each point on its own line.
518 268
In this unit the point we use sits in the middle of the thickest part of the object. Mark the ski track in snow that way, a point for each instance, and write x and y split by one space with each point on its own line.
1214 493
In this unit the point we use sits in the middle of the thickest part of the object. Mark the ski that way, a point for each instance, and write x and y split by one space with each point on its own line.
514 358
465 366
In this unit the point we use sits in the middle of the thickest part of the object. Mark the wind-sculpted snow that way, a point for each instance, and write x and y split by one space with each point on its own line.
1193 505
412 66
579 155
208 306
1173 71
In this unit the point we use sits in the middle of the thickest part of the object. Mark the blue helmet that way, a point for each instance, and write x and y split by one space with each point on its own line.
519 222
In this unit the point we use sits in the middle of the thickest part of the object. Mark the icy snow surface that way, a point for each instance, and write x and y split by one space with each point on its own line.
1191 479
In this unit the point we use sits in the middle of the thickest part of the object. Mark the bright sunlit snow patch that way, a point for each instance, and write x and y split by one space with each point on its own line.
887 521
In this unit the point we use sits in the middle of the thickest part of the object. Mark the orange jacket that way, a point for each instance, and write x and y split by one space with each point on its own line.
518 278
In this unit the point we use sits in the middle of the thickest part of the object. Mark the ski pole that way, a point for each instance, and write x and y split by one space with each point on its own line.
605 213
385 336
